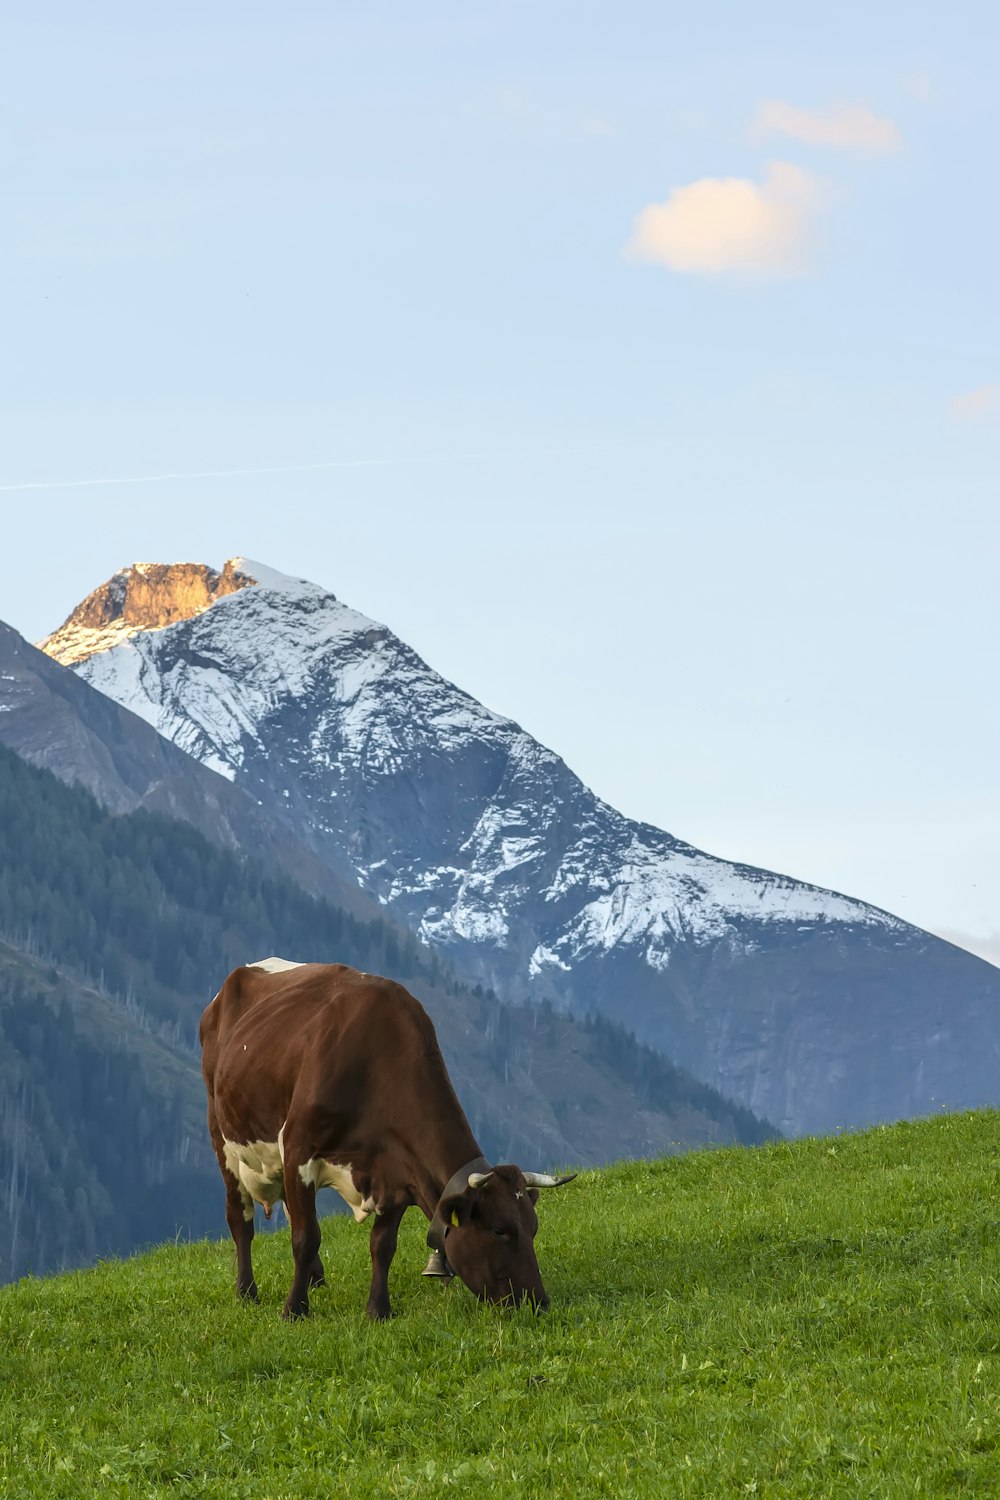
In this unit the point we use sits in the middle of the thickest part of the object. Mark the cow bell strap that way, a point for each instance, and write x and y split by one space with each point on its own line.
457 1183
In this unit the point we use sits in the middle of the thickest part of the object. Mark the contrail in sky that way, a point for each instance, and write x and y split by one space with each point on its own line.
337 463
82 484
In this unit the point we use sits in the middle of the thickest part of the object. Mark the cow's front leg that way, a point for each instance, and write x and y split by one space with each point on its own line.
385 1232
300 1201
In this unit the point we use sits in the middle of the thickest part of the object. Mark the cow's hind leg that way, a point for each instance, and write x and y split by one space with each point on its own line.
385 1231
300 1201
317 1275
239 1216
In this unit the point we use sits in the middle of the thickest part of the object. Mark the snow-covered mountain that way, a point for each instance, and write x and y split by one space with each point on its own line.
813 1009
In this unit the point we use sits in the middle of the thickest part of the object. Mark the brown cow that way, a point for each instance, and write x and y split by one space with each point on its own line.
321 1076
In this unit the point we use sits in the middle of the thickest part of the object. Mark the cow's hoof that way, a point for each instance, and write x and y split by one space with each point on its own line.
292 1314
248 1293
379 1314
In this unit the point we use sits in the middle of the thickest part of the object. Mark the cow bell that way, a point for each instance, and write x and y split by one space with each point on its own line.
437 1265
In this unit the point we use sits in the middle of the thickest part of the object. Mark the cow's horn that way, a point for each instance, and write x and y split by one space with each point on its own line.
476 1179
542 1180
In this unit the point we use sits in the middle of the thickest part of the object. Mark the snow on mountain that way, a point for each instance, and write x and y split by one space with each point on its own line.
481 839
214 683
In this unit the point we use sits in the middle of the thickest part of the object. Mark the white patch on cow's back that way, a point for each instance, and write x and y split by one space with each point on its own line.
274 965
320 1173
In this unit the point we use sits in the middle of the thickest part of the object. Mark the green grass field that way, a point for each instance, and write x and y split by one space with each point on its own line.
813 1319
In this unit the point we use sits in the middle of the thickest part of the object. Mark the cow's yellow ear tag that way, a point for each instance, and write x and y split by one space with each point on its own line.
454 1218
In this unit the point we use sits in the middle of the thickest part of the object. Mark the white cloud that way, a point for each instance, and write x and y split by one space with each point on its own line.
981 405
853 126
983 944
730 224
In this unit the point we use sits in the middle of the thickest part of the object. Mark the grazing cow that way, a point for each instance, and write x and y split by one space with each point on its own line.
321 1076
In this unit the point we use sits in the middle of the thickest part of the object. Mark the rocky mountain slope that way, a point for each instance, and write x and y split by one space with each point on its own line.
811 1008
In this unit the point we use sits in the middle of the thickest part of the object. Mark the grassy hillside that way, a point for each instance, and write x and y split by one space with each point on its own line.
809 1319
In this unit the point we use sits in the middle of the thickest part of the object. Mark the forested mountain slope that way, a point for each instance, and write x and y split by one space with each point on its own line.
117 931
102 1137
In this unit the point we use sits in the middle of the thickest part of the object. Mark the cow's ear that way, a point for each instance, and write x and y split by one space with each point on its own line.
533 1194
456 1210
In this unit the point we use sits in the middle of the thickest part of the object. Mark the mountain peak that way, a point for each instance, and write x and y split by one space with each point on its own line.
152 596
269 578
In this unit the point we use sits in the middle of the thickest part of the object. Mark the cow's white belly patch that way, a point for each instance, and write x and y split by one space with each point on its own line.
259 1168
274 965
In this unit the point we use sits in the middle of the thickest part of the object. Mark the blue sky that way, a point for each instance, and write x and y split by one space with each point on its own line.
667 338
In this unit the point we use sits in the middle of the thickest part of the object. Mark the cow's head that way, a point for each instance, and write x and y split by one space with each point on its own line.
489 1234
